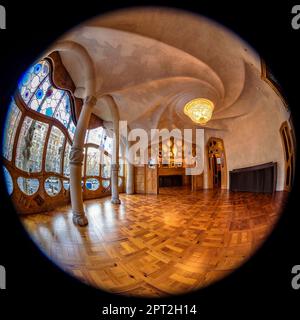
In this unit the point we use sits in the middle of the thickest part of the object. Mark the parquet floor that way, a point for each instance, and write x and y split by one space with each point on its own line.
157 245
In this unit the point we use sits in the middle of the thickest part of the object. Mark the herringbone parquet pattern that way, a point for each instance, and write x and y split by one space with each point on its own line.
155 245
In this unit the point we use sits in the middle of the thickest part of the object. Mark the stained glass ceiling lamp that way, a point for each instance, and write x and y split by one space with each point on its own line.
199 110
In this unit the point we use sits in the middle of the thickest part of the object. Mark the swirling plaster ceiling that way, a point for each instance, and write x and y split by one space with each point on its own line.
153 61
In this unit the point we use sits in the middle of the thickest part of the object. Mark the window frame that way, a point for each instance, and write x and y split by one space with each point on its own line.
51 121
26 111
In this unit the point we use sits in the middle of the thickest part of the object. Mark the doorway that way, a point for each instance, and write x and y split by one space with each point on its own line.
217 178
217 169
289 154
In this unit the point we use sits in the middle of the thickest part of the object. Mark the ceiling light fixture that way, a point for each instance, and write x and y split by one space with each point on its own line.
199 110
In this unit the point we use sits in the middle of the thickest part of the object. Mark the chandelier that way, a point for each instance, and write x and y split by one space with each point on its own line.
199 110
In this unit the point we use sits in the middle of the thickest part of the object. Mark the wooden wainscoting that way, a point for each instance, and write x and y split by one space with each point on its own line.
146 180
151 180
197 182
260 178
139 179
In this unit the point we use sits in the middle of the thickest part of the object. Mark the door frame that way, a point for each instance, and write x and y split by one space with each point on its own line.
215 146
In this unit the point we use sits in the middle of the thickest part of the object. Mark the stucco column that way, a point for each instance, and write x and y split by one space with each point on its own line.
114 184
115 163
76 162
130 172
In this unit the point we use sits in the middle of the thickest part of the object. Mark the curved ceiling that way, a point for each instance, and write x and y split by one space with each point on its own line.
152 61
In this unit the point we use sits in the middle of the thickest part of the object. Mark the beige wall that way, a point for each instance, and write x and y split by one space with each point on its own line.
255 138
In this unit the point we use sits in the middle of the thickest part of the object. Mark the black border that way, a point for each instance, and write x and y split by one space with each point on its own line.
262 286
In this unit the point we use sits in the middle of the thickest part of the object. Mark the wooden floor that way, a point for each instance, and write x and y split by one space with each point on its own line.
158 245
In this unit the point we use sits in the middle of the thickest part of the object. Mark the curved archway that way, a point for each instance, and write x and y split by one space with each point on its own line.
76 154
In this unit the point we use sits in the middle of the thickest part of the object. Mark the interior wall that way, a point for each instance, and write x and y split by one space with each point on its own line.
255 138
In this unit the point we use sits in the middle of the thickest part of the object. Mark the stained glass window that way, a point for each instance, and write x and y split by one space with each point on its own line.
105 183
37 100
31 145
71 129
63 111
93 162
28 186
92 184
54 150
32 79
52 186
105 166
40 95
11 125
66 184
67 160
108 144
95 136
8 181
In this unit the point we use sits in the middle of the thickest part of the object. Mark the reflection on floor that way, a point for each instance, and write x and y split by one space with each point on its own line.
158 245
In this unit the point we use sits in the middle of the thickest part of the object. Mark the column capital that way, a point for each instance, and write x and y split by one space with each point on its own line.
76 156
90 100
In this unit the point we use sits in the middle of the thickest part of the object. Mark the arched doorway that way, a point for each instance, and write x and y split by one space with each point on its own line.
217 169
289 144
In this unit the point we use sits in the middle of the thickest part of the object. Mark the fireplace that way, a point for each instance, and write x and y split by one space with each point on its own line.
170 181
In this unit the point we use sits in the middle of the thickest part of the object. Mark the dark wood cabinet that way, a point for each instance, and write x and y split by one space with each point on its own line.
260 178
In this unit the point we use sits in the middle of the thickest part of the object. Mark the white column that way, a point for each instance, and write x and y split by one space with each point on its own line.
114 184
130 172
115 163
76 162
